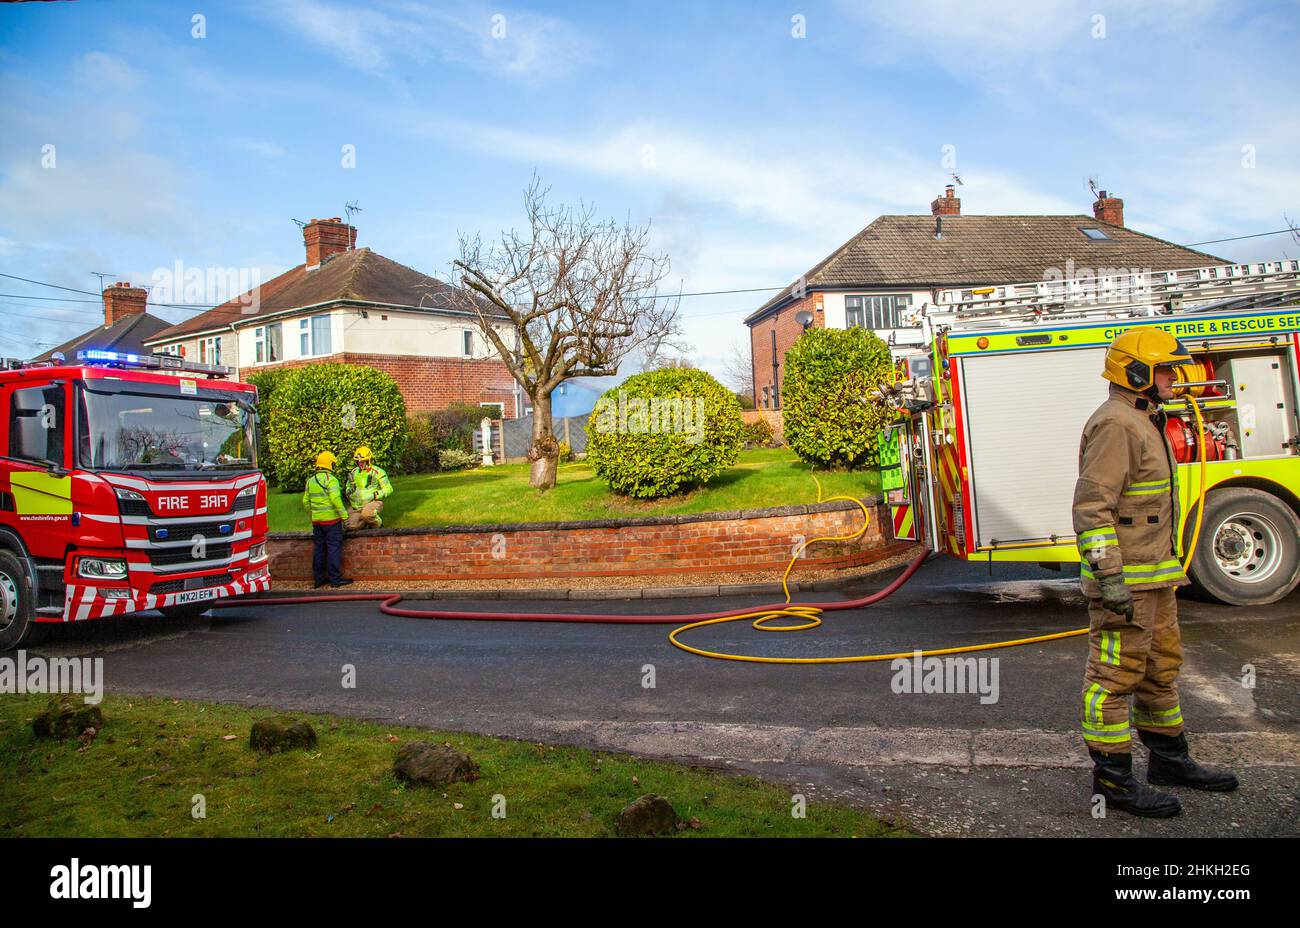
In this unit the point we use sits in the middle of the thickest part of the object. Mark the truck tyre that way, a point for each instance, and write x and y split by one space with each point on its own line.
18 625
1249 550
187 611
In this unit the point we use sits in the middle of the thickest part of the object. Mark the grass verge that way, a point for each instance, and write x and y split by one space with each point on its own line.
761 478
141 775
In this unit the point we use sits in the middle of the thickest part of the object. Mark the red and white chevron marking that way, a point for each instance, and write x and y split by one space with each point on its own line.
85 602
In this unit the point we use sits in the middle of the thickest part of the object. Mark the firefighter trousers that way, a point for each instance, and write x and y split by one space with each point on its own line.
1137 659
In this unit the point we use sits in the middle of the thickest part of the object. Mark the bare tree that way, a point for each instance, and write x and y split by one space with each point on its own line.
738 369
571 297
663 363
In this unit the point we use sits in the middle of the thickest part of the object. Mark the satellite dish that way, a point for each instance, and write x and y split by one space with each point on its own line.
804 318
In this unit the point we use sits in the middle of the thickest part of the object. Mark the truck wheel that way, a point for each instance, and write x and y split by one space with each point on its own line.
188 611
1249 550
18 625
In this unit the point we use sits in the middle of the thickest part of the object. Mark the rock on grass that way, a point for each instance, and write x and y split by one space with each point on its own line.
281 733
67 716
428 764
648 815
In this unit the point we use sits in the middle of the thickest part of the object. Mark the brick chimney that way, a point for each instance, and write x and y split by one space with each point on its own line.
1108 209
325 238
122 300
946 205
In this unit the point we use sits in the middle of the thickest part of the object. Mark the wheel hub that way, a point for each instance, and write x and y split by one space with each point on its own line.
1247 547
8 601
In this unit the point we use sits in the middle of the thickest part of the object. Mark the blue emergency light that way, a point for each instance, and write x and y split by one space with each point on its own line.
161 362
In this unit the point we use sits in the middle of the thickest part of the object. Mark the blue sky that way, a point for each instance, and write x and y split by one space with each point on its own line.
753 152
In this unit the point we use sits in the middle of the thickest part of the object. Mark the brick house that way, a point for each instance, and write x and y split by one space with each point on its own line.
898 263
127 325
352 305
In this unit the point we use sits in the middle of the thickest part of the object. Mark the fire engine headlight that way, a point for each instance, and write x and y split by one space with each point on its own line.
250 490
257 552
128 494
101 568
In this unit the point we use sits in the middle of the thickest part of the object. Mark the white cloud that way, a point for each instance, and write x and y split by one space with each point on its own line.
102 71
378 36
265 149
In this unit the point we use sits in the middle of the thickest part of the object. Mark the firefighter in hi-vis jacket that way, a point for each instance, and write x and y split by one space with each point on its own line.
1126 517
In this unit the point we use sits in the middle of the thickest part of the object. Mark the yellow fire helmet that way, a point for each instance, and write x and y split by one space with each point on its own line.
1134 355
327 460
363 455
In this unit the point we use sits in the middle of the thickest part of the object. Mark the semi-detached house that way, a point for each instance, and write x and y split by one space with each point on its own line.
900 263
352 305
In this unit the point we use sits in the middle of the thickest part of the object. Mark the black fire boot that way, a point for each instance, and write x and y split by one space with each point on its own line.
1170 765
1112 777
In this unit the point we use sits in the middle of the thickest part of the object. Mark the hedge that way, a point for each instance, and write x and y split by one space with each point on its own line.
661 432
828 415
331 407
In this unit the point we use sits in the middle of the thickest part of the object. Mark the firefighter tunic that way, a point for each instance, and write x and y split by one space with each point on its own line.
1127 521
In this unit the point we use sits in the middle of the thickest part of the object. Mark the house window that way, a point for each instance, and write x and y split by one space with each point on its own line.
314 336
1097 235
175 351
883 311
467 343
766 401
268 343
210 350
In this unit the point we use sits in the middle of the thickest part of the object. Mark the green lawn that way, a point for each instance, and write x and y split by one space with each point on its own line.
760 478
139 777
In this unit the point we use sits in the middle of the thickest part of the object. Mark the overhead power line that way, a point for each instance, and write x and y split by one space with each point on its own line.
196 307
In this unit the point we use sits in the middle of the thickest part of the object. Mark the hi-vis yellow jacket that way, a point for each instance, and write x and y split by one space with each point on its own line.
1126 498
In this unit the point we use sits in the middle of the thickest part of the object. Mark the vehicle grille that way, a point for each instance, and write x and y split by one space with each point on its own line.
133 507
170 557
194 583
187 530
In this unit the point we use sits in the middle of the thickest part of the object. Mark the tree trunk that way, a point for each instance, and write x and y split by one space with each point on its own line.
544 452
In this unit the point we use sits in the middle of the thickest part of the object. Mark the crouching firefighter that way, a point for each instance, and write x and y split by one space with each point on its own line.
1126 519
324 498
366 489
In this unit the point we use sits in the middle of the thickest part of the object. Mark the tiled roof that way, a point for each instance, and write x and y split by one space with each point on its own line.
902 251
127 334
360 275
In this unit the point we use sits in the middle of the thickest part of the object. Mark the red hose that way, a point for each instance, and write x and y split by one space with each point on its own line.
388 601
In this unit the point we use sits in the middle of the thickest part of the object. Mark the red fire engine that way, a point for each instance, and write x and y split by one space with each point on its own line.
127 483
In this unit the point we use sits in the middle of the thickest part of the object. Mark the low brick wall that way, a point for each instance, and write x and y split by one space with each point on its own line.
773 417
761 539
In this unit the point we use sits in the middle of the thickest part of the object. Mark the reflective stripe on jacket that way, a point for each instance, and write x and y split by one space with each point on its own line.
1126 499
324 497
374 480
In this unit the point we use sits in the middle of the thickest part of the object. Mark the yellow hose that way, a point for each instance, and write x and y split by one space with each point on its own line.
810 616
1200 502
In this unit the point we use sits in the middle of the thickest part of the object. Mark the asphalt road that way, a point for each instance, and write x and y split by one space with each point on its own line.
946 763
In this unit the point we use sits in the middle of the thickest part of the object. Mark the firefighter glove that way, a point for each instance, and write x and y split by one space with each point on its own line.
1116 596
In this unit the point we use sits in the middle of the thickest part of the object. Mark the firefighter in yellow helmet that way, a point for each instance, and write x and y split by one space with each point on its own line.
324 498
367 486
1126 519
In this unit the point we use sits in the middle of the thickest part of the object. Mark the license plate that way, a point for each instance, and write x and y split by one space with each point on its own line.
194 596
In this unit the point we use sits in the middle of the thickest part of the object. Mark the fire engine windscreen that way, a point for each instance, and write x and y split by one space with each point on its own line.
124 430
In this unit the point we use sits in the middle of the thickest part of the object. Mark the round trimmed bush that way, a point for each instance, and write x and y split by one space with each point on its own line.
661 432
331 407
828 372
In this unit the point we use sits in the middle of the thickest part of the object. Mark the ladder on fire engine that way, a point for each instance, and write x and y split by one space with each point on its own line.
1215 286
